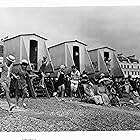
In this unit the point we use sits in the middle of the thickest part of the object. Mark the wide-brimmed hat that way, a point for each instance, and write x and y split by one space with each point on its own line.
73 66
10 58
84 76
24 61
62 67
102 74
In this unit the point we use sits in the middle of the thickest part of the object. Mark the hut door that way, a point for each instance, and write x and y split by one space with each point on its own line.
106 56
76 56
1 53
33 52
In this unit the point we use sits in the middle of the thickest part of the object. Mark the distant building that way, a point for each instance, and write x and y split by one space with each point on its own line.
130 65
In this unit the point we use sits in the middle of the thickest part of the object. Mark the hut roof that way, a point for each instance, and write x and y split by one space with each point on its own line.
67 42
24 35
102 47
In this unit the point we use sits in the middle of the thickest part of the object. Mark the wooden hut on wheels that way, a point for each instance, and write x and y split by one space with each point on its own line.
28 46
71 53
31 47
100 55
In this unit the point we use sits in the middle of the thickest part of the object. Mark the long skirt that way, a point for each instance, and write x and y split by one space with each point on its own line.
98 99
105 99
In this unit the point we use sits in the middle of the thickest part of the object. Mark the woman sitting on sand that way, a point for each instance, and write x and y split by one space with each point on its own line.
91 90
102 90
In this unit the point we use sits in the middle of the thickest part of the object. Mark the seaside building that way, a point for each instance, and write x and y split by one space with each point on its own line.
130 65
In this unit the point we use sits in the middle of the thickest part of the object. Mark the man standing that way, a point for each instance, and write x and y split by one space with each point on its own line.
42 69
22 76
5 77
75 76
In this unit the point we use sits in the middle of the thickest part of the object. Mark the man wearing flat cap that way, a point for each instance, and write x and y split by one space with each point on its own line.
5 77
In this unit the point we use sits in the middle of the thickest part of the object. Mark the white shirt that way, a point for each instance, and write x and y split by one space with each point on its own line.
75 75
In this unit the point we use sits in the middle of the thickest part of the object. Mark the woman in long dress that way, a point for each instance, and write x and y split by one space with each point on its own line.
60 82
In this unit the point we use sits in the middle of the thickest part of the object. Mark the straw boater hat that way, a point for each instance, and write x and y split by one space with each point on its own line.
10 58
102 75
62 67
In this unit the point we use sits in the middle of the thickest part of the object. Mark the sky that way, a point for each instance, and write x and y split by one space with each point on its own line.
114 26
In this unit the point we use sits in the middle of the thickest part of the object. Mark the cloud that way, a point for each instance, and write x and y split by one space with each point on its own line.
117 27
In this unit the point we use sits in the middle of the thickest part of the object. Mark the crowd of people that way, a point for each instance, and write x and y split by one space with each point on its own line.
101 90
